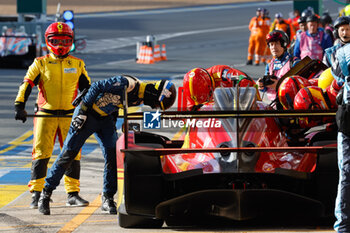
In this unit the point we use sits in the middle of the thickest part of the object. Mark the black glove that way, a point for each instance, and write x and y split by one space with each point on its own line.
79 120
20 113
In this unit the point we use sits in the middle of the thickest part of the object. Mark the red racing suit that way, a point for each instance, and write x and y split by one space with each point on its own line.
58 82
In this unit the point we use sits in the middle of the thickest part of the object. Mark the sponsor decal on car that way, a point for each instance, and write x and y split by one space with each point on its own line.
151 120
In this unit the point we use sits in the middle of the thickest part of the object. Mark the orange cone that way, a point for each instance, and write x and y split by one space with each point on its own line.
149 56
142 54
163 56
157 53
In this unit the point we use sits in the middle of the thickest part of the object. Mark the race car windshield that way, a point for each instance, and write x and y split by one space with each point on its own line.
225 99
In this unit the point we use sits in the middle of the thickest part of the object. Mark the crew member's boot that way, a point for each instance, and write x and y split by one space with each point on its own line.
108 203
75 200
44 202
35 200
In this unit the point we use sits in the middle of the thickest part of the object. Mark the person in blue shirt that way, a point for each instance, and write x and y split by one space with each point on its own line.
96 114
342 35
341 73
312 42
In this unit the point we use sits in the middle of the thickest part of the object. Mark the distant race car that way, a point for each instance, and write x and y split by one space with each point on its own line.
234 163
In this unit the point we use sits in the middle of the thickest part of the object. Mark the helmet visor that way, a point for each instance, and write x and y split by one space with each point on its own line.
60 40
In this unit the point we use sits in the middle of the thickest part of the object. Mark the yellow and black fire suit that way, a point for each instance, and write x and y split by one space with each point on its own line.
58 81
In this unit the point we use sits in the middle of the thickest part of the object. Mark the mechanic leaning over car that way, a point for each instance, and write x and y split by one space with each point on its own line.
97 113
199 83
59 76
341 73
281 63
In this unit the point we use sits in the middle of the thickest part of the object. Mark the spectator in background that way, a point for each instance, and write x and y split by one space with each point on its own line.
312 42
256 39
302 28
342 34
294 21
266 58
326 22
282 25
302 25
308 12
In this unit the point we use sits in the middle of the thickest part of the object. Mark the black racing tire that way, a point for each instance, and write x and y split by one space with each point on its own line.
179 222
133 221
326 180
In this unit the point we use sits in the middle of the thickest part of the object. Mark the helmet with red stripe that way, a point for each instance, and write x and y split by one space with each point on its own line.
312 98
59 38
199 85
289 88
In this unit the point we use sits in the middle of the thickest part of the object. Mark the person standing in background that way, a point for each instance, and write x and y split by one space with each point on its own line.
256 40
312 42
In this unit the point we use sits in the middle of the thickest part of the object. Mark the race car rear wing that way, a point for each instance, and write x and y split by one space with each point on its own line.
169 151
231 114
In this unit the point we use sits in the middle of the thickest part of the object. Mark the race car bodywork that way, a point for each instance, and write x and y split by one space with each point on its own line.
237 168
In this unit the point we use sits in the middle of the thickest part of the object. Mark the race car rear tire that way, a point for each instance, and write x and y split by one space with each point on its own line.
133 221
327 178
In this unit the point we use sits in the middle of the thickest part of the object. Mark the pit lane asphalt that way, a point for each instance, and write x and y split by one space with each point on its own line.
205 49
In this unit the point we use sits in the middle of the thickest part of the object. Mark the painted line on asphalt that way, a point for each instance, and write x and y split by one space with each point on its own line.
96 46
181 9
9 193
50 224
82 216
14 178
18 141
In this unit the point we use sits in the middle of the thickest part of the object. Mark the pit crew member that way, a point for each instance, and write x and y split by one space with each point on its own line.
277 42
58 76
97 114
341 73
199 83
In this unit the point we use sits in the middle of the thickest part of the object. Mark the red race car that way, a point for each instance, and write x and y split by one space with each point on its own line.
235 161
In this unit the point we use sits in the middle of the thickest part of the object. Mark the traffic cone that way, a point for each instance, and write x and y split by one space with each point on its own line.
157 53
142 54
163 56
149 56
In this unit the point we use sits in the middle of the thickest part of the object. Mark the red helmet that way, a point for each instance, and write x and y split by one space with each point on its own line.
278 35
310 98
289 88
199 85
332 92
59 38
